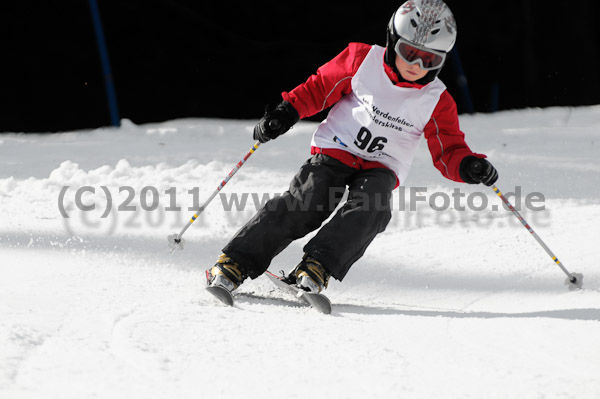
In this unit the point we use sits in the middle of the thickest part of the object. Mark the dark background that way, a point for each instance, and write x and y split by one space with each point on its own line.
183 58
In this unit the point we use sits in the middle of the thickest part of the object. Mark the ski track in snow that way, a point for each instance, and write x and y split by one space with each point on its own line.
452 304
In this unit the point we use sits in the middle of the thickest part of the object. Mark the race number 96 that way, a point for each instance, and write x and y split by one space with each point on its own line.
366 141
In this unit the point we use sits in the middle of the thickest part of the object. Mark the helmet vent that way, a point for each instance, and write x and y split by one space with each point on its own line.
426 23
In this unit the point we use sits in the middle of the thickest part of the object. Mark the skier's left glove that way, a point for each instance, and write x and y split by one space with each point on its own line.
275 122
476 170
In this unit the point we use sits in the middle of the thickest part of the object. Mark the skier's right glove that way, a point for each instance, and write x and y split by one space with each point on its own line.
475 170
275 122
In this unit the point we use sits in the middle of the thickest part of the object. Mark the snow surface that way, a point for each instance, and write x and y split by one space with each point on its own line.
449 304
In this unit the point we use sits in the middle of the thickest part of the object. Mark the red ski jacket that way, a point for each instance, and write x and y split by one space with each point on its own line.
333 80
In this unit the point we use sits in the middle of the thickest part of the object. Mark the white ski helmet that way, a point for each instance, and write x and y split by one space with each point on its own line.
425 24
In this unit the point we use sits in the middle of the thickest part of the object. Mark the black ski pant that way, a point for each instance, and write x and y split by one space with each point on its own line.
313 195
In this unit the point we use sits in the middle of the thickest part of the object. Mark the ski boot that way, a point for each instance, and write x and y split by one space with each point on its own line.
310 275
223 278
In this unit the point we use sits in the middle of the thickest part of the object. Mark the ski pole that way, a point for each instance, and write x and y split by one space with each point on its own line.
574 280
175 240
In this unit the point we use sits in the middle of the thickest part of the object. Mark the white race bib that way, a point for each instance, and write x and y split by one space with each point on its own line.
379 121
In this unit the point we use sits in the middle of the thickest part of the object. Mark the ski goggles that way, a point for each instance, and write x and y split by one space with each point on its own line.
427 59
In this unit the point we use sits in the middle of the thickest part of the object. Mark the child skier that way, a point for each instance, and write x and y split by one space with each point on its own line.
385 100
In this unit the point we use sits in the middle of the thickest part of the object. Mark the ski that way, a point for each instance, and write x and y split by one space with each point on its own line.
221 294
318 301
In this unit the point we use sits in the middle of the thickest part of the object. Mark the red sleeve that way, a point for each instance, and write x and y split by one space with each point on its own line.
331 82
445 140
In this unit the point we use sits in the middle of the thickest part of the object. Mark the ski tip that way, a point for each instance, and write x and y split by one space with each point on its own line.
221 294
318 301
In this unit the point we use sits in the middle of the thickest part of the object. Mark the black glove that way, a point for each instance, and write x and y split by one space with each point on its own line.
275 122
475 170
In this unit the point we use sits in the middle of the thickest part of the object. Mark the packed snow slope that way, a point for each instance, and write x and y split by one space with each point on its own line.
454 300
